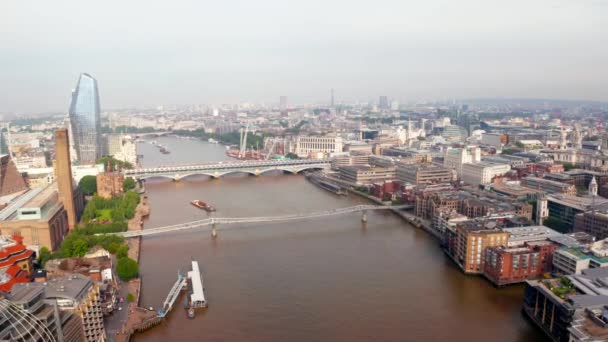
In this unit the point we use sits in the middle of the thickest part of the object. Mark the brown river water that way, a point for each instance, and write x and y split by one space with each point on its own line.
323 279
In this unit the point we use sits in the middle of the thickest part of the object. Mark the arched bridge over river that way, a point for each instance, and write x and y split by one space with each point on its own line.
219 169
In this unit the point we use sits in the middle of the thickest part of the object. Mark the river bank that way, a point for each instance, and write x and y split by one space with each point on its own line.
137 318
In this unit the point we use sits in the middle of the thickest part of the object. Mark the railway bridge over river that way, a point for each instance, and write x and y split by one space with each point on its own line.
219 169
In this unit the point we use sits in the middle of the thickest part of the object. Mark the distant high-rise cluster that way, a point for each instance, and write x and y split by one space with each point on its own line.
84 120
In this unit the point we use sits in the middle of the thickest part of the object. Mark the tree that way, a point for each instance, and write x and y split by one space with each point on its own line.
557 224
292 156
88 185
509 151
122 251
44 256
127 268
568 166
130 297
74 245
128 184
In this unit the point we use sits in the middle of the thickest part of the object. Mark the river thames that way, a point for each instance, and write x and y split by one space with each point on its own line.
329 279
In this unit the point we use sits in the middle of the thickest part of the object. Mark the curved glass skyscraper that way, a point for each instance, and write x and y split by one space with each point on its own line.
84 120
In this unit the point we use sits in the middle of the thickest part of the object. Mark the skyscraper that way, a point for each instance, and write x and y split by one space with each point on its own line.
383 102
283 102
84 120
332 103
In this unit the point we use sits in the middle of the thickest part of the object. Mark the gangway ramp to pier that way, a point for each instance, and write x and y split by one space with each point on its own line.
172 296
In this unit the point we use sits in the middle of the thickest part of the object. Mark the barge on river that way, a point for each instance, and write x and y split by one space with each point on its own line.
326 185
203 205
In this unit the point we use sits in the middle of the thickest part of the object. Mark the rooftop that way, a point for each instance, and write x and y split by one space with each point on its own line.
520 235
72 287
43 197
25 292
582 203
582 253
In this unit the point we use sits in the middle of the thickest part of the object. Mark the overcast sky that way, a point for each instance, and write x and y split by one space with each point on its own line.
200 51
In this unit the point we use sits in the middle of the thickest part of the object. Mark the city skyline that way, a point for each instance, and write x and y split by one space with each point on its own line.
226 53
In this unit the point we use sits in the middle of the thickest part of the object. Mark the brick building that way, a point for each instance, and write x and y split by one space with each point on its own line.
509 265
466 244
110 184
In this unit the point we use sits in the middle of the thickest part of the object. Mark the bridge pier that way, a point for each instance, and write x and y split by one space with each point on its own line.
213 231
364 216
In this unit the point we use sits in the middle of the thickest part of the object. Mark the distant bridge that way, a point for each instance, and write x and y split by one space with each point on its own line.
150 134
213 221
219 169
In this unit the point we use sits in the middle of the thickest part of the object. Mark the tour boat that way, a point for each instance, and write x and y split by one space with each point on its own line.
202 205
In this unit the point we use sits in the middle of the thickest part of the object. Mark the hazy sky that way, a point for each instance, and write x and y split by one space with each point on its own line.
183 52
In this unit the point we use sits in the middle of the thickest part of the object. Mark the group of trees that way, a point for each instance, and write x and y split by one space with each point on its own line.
291 155
122 208
557 224
114 163
88 185
231 138
297 128
80 241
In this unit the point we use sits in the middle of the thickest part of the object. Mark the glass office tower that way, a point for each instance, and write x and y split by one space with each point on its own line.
84 120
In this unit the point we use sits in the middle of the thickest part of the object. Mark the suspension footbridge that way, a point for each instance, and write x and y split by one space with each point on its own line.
214 221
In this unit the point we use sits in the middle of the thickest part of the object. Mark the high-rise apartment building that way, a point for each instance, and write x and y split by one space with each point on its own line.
283 102
84 120
467 243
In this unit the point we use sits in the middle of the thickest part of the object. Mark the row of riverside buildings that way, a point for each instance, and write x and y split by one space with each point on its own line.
510 219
